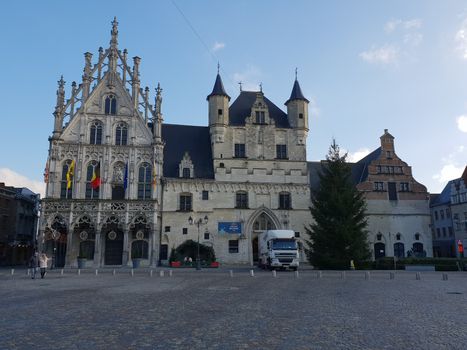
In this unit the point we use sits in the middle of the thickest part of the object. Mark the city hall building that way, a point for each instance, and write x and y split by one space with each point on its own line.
123 185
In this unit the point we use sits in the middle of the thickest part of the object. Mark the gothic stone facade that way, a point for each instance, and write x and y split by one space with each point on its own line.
245 172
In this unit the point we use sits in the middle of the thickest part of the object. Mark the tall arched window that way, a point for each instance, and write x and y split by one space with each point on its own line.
91 193
110 105
95 133
121 134
144 181
64 192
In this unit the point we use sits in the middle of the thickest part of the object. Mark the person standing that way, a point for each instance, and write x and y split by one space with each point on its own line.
43 260
33 263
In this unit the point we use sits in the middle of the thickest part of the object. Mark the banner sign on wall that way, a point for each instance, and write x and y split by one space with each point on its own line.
229 227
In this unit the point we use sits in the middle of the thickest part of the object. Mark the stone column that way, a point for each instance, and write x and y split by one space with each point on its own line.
154 250
97 250
125 255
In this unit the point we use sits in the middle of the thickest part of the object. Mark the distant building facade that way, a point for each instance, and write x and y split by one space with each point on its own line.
18 224
398 207
444 240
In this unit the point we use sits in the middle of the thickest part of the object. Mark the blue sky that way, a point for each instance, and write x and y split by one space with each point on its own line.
365 66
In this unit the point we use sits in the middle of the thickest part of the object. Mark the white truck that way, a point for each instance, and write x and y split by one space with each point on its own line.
278 249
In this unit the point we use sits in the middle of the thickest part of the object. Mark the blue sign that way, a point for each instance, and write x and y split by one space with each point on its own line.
229 227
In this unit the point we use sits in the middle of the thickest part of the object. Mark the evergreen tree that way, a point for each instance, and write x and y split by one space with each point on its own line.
338 234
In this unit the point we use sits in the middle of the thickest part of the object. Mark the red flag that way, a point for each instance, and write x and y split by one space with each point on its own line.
96 177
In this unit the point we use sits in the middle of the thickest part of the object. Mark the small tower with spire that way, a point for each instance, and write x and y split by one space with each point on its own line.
297 107
218 110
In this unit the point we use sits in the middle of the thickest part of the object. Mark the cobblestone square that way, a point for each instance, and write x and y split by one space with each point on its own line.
208 309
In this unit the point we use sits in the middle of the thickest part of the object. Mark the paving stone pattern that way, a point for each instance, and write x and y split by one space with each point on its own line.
210 310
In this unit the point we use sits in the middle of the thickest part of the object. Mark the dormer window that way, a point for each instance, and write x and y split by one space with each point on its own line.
110 105
186 168
260 117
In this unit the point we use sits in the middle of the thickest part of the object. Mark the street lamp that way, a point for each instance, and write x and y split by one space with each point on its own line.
198 223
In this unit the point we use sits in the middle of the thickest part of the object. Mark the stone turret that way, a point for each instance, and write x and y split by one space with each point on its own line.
218 110
297 112
297 108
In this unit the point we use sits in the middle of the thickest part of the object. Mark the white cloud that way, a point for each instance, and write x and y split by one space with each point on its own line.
461 39
12 178
453 167
315 111
250 78
448 172
411 24
390 26
217 46
462 123
413 39
415 23
387 54
353 157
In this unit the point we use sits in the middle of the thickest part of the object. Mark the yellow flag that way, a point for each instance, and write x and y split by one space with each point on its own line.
70 174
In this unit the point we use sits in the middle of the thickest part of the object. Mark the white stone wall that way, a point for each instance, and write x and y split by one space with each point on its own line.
405 217
220 208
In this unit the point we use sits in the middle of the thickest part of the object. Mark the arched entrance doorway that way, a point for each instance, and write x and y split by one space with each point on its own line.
380 250
263 222
55 241
113 242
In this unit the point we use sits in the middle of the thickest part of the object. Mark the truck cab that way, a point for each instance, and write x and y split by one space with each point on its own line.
278 249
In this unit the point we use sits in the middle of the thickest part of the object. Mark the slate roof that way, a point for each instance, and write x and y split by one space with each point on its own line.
218 88
360 168
241 108
313 169
186 138
444 197
296 93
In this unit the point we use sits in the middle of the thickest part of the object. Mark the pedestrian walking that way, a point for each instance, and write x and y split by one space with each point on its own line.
33 264
43 259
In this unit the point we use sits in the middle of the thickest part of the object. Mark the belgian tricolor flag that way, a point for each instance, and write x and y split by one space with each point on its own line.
96 177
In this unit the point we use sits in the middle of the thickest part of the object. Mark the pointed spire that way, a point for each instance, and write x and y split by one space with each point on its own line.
60 95
218 89
158 100
296 92
114 34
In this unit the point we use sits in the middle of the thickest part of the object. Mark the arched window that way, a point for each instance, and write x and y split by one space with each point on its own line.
263 223
398 236
121 134
110 105
91 193
241 200
64 192
144 181
95 135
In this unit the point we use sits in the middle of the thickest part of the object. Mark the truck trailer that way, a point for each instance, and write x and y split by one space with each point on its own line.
278 249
